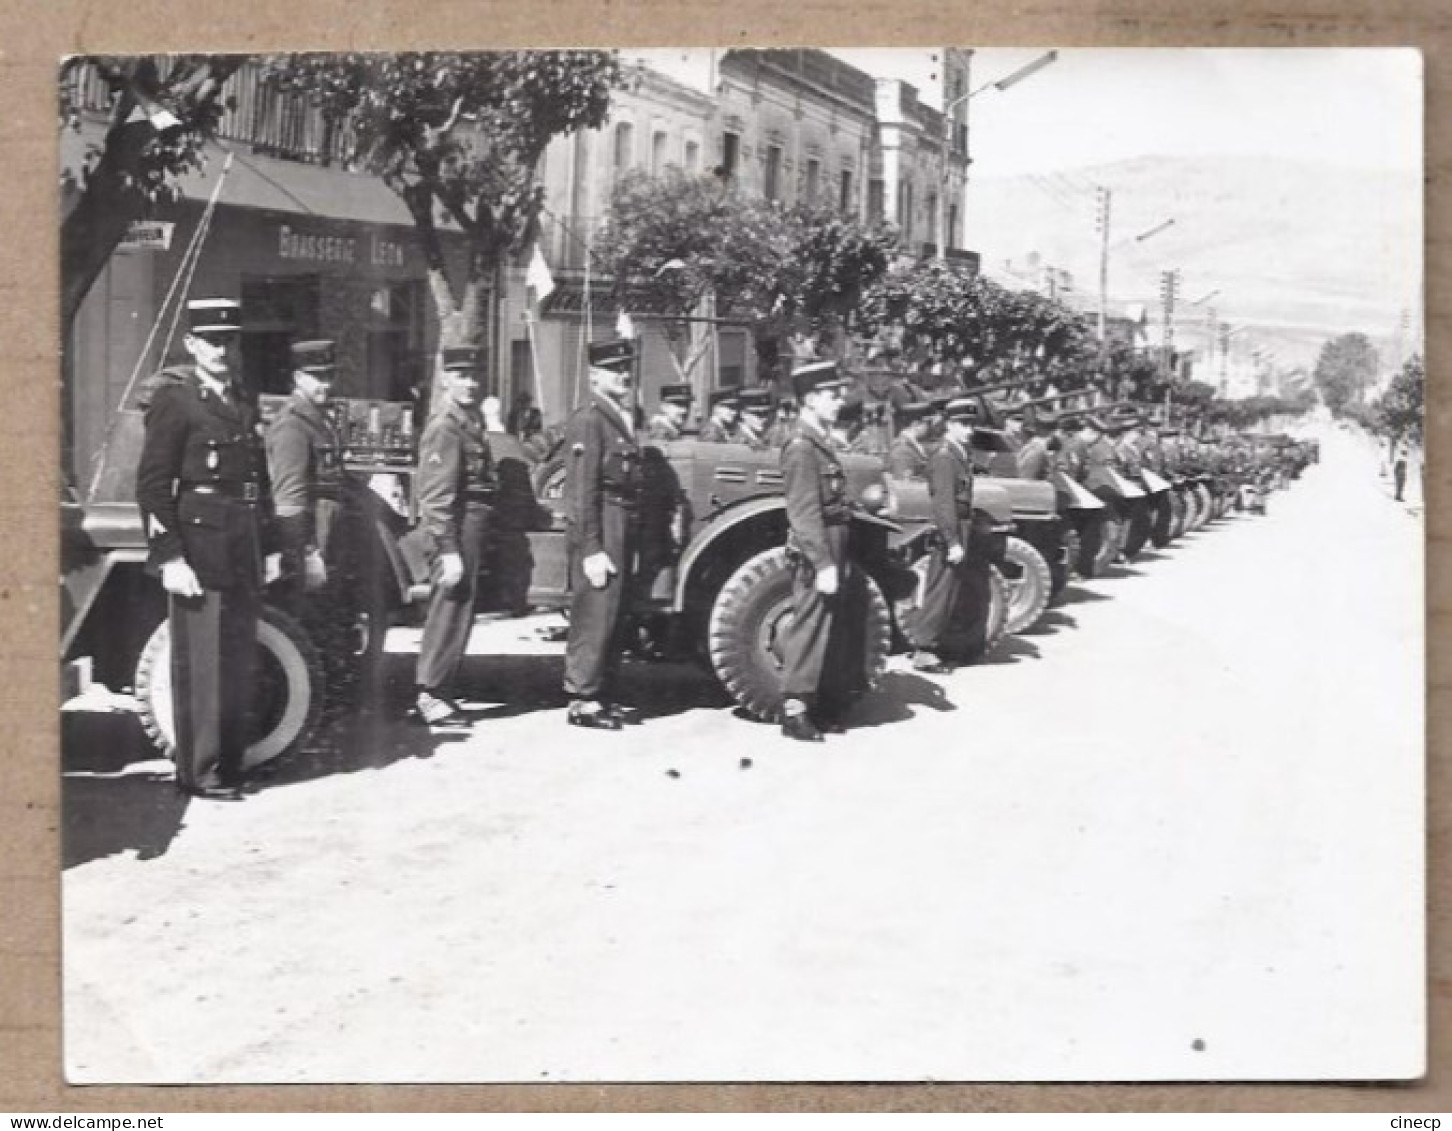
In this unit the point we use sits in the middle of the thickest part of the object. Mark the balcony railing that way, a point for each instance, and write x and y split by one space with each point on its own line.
273 123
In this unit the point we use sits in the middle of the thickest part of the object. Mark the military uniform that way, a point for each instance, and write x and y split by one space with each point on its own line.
819 517
203 491
602 500
662 430
1035 460
456 487
664 505
950 489
717 430
907 458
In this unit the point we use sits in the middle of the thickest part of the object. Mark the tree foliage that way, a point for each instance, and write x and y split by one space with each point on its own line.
161 110
938 314
1345 367
459 137
1400 411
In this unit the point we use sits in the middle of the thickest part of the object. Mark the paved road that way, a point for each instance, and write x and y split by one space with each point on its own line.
1174 834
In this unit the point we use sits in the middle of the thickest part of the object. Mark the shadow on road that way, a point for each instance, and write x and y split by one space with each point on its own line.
1050 624
896 696
1078 595
1010 650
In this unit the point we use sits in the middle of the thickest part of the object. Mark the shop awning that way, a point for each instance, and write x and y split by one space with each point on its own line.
269 183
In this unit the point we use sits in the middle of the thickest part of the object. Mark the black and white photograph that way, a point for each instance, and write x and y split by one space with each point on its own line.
751 564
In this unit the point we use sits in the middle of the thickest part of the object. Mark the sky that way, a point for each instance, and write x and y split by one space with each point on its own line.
1356 107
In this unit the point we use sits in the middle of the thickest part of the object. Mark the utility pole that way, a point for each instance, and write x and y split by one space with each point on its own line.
1101 225
1169 293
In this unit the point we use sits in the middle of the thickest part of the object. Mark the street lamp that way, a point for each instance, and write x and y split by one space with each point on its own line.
997 84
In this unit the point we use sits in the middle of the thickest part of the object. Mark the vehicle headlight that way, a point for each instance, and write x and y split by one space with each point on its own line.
878 498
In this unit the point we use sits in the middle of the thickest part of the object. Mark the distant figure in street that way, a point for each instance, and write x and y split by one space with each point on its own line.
754 408
669 421
1399 466
908 456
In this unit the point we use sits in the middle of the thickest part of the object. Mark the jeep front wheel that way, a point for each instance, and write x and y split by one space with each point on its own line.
746 628
287 689
1030 584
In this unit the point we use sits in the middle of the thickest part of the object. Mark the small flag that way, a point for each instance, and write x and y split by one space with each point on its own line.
624 327
538 278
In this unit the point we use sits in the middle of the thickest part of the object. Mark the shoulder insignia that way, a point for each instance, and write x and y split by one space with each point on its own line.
154 526
436 458
578 449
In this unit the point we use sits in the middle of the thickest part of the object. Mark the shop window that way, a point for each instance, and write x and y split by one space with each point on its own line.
397 365
276 311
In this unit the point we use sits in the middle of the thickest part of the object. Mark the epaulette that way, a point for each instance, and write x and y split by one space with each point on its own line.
162 379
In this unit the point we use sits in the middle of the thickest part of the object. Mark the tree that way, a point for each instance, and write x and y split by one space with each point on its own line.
1401 410
459 137
674 239
163 109
938 313
1345 367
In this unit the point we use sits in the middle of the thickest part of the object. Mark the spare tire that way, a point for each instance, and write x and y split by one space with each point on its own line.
289 689
1030 584
744 632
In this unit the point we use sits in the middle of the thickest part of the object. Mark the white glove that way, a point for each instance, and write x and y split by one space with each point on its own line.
451 571
315 571
955 554
827 581
598 568
271 568
178 579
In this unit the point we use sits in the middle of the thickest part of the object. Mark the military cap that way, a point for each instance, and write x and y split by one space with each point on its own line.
618 354
461 357
1046 420
213 315
317 357
1092 420
676 394
939 403
727 397
965 410
914 411
817 375
754 400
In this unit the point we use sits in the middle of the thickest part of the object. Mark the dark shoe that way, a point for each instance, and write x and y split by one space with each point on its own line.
629 716
598 719
930 664
210 790
801 728
435 710
828 725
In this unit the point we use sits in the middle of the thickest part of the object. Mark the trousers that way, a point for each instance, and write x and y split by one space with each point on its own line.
213 663
822 626
941 590
599 617
450 614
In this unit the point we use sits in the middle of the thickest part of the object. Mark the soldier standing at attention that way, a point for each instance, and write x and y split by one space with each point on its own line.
1035 459
950 490
669 421
204 496
908 456
819 517
721 427
456 487
304 460
602 488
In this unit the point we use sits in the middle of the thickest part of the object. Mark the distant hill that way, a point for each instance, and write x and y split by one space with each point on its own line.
1299 252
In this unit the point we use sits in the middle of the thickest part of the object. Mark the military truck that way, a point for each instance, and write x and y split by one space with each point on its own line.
721 595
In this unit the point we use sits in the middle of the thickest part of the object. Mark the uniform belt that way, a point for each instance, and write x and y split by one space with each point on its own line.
237 492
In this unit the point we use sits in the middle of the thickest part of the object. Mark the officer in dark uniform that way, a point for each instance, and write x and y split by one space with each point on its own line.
721 427
783 425
669 422
753 407
826 588
304 459
203 492
456 487
950 491
602 498
908 456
